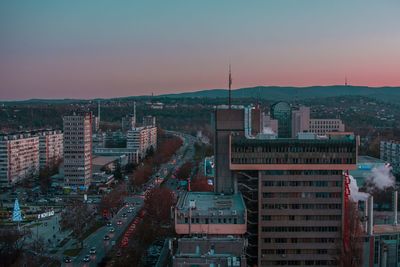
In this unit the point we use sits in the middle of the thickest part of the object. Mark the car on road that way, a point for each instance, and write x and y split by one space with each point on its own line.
109 224
123 215
112 230
119 222
92 250
118 254
106 237
86 258
67 260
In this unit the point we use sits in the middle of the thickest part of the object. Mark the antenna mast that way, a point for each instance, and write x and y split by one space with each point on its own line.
230 85
98 110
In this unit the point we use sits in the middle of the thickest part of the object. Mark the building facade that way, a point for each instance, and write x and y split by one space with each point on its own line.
19 158
390 152
149 121
300 121
324 126
51 147
141 139
78 150
282 112
293 189
128 122
211 230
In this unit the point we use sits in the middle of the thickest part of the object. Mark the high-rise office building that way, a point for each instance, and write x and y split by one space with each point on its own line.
78 150
282 112
293 189
390 152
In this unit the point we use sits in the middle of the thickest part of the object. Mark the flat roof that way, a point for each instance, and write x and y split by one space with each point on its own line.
369 159
103 160
382 229
206 202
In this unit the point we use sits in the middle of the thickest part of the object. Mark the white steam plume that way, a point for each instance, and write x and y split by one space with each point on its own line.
381 177
355 194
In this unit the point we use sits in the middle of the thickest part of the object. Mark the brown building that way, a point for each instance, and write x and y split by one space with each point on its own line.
293 189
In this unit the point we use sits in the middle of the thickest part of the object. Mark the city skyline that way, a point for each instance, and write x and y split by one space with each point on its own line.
98 49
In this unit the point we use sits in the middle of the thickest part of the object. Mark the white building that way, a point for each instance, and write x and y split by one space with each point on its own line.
19 157
141 139
50 147
78 149
324 126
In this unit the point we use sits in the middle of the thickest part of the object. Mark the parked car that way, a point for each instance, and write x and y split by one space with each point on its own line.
92 250
86 258
106 237
67 260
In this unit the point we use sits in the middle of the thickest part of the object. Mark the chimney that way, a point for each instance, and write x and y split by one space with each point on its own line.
366 215
370 216
395 196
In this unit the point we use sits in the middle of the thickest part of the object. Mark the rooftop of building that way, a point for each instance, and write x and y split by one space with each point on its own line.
369 159
382 229
343 138
225 246
104 160
205 202
25 134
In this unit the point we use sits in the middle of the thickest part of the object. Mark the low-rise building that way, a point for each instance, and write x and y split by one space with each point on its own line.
324 126
211 228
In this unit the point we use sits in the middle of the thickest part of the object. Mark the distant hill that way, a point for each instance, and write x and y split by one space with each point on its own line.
274 93
391 94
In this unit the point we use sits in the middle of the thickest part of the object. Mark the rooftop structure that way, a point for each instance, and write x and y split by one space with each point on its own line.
210 213
214 251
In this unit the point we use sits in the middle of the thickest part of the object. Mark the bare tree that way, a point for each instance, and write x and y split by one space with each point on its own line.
76 218
351 253
12 242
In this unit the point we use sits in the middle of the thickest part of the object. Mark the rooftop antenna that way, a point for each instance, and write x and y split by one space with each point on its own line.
230 85
134 111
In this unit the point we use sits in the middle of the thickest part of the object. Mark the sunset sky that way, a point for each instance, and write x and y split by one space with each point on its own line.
90 49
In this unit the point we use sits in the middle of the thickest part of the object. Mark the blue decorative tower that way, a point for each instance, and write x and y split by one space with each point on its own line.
16 216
